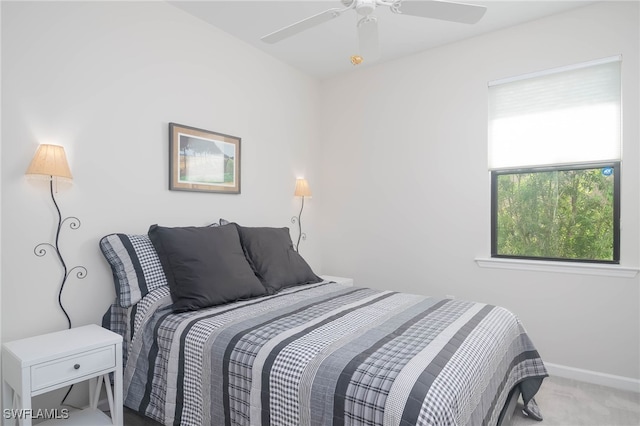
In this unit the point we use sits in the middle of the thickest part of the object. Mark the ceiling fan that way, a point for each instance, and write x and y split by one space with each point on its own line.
368 24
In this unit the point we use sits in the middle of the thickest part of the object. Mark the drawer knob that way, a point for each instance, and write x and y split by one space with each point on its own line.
76 367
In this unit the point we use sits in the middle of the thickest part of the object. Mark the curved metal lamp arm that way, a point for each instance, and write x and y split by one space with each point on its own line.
297 219
40 250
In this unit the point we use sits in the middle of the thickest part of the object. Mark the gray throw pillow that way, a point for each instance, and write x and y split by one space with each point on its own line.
271 255
205 266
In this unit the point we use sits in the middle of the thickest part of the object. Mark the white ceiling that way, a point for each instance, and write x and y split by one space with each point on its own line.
324 51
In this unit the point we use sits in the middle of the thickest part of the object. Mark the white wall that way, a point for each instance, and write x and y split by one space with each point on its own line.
104 79
406 192
1 381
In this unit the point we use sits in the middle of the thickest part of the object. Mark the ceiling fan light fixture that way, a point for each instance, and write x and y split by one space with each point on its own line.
356 59
365 7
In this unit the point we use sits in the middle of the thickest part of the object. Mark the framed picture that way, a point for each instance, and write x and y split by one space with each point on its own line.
203 161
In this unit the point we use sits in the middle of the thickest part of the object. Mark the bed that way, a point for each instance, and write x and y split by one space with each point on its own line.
311 353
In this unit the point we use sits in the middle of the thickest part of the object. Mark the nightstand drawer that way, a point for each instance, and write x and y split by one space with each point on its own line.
72 367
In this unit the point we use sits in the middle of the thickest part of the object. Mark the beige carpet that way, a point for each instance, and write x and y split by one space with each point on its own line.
563 402
566 402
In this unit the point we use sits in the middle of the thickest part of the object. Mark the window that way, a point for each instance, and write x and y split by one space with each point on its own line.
554 157
557 213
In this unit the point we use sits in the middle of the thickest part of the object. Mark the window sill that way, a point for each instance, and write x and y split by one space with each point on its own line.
561 267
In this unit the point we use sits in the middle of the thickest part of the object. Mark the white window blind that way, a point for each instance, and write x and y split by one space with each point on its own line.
562 116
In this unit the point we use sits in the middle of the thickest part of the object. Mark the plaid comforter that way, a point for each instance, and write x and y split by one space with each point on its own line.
325 354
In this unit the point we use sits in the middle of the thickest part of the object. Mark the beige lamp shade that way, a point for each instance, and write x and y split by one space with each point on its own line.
50 160
302 188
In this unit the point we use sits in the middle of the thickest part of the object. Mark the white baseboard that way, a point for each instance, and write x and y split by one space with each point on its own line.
595 377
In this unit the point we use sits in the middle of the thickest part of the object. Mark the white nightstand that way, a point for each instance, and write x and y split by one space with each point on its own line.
339 280
44 363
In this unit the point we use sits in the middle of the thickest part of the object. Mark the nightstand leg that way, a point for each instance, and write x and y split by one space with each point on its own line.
93 390
15 404
116 411
21 410
94 397
10 402
7 400
109 394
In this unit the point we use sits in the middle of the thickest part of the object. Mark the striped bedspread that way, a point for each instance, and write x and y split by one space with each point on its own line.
325 354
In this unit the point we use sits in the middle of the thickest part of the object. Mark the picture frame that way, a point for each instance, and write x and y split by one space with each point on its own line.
203 161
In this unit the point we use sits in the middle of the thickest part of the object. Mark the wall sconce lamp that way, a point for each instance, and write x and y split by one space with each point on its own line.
302 190
51 161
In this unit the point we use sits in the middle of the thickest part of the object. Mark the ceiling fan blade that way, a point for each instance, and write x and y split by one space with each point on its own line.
368 38
447 11
300 26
